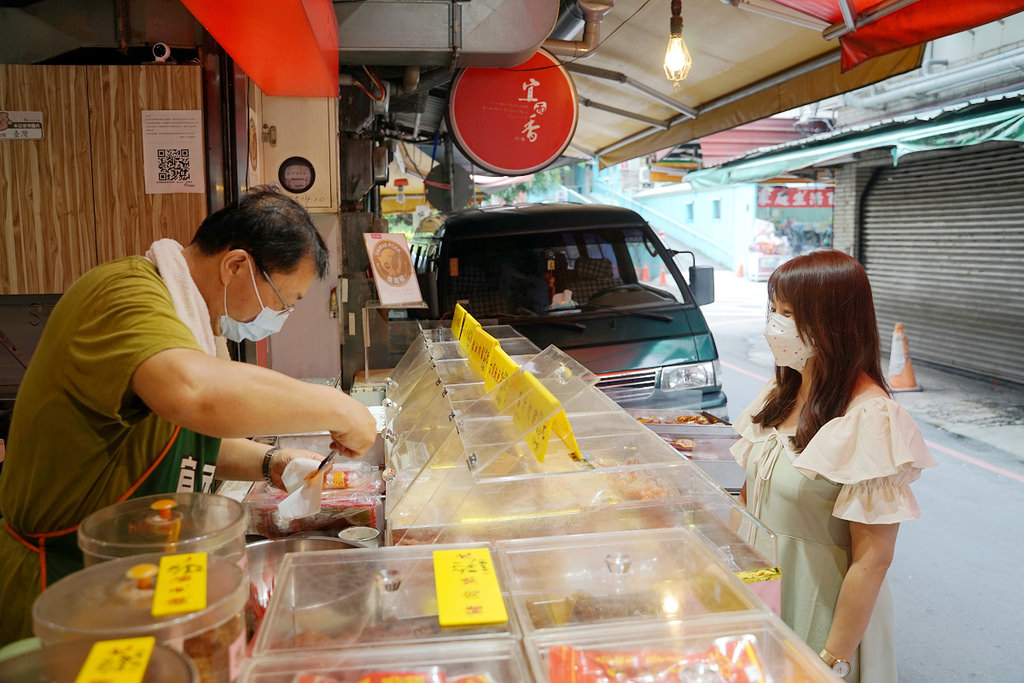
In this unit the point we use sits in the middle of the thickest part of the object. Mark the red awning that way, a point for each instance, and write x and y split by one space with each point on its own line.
884 26
288 47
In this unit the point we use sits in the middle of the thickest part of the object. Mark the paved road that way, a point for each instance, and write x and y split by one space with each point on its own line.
957 574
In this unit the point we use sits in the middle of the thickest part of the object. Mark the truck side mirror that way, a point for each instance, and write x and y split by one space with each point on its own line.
702 284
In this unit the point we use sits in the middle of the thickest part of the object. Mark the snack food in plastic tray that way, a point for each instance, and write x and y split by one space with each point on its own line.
729 660
351 497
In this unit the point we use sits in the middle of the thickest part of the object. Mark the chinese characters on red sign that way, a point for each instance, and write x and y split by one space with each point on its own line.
537 108
798 198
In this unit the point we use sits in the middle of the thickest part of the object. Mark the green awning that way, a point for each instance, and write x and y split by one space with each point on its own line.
970 126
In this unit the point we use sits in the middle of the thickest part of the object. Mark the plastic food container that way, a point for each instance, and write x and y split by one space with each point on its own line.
364 598
102 602
755 647
264 562
61 663
622 578
165 523
487 661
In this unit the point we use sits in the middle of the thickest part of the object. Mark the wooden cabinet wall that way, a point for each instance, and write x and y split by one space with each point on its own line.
77 197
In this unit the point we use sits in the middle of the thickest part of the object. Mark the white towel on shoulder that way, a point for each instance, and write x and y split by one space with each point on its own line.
188 302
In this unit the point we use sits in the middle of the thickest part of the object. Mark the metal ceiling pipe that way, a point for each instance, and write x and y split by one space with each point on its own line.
1005 62
781 77
623 113
620 77
593 14
880 10
770 9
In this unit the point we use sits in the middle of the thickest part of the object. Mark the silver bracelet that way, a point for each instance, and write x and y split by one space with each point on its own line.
267 457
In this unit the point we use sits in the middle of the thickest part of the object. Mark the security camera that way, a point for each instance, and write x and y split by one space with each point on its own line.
161 52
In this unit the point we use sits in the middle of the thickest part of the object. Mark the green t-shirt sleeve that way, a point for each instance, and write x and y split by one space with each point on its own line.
127 318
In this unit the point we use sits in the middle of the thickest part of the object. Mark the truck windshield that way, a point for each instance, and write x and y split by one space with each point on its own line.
549 273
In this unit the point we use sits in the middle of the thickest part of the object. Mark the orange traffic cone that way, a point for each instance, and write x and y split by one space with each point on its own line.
663 278
901 370
739 271
645 274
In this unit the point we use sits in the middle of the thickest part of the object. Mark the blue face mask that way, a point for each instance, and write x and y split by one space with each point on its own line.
266 323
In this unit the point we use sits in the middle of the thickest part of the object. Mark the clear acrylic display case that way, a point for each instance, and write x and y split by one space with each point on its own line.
751 647
700 437
362 598
488 661
459 469
622 578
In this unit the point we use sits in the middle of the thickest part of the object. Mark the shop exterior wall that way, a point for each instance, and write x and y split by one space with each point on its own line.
852 182
724 240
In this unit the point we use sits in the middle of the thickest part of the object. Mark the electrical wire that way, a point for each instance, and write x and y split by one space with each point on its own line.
376 82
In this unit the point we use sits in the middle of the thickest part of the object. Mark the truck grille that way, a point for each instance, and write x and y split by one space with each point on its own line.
626 386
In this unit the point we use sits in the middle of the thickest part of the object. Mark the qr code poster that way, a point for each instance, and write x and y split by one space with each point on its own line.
172 148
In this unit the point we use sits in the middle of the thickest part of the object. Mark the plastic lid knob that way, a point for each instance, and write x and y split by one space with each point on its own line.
164 506
143 575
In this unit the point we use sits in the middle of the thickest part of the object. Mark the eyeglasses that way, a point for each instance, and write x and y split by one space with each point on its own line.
287 309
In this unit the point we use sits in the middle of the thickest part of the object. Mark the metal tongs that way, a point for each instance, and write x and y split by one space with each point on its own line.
299 503
324 464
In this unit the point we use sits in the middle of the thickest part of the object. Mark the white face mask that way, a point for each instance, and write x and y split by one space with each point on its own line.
266 323
788 347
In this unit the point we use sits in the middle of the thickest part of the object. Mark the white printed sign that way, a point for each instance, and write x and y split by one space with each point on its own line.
172 149
393 272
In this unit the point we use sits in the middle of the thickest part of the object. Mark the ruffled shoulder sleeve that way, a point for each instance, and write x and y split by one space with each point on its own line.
875 451
750 433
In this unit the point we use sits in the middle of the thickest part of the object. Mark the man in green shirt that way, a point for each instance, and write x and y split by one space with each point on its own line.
126 396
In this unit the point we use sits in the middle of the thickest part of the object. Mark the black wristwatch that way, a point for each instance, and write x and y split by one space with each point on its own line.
267 457
840 667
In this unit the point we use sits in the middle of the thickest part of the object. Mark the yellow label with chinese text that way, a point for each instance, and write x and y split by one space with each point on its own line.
180 585
499 367
563 430
480 347
458 318
533 411
467 588
469 327
117 661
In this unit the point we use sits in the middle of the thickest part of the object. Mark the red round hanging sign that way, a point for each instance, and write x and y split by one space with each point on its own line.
514 120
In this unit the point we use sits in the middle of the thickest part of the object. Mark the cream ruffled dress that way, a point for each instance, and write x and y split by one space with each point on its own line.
859 468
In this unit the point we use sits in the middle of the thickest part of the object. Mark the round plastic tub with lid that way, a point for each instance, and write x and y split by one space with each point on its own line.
114 600
62 662
165 523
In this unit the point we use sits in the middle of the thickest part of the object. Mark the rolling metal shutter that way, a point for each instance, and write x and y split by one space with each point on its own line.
943 243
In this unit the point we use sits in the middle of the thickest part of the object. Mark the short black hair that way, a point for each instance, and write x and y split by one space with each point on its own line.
276 230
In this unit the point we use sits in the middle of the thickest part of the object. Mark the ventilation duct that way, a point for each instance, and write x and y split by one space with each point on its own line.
442 33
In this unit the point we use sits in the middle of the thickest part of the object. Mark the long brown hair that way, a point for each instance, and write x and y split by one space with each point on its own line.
830 296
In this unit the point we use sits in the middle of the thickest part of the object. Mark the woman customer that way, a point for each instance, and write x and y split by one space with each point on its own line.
830 457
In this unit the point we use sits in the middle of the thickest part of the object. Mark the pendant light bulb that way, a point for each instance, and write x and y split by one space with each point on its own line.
677 56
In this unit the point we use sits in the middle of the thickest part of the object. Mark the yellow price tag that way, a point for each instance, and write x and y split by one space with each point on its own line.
180 585
563 430
508 390
469 328
534 410
467 588
499 367
117 661
458 318
480 347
